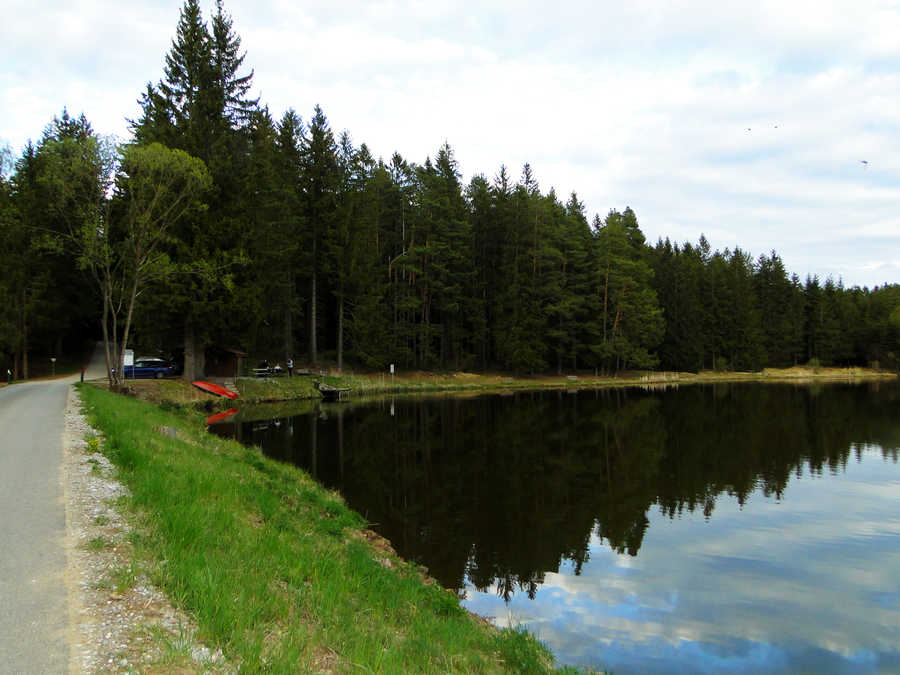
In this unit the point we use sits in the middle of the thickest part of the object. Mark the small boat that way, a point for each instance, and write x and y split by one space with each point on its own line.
216 389
330 393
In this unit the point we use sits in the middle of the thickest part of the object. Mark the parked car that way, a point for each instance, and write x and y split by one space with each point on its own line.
147 367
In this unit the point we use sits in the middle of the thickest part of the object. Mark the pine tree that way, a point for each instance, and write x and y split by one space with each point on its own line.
290 230
631 321
62 204
744 341
185 98
578 272
369 316
521 346
487 244
320 176
227 59
199 106
452 258
266 291
774 293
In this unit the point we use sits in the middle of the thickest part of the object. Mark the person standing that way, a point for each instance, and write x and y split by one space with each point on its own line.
290 366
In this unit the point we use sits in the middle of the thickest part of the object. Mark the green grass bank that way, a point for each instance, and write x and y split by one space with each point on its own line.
277 571
177 393
256 390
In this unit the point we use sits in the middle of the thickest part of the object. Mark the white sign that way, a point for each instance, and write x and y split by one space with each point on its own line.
129 357
392 369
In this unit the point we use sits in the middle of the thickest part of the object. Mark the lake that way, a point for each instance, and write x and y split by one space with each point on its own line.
734 527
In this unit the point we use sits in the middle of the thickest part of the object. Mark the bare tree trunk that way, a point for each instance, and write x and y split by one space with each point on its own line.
104 324
194 361
605 302
118 375
17 357
313 356
289 318
25 344
340 336
127 329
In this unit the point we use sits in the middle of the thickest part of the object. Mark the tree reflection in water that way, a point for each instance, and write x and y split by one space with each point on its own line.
500 490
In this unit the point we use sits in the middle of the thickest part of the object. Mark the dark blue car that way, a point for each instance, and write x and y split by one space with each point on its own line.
154 368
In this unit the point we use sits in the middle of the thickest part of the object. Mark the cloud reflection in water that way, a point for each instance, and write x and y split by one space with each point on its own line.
806 583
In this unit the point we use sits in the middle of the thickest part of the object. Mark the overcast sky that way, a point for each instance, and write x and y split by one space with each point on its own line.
749 124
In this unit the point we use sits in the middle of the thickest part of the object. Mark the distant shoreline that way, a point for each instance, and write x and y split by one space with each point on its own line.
180 393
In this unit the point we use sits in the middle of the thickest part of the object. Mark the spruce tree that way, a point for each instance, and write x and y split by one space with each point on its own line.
290 231
631 321
199 106
320 176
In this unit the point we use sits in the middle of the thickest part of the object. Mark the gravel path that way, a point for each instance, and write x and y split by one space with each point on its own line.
73 598
118 621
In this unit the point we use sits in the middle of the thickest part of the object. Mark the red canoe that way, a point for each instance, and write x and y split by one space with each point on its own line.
218 417
213 388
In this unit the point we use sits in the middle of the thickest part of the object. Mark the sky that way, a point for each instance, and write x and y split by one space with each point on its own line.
749 124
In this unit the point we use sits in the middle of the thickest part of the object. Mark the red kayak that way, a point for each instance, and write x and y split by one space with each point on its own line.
213 388
218 417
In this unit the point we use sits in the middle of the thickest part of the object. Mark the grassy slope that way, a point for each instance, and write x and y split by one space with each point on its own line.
276 569
178 393
272 389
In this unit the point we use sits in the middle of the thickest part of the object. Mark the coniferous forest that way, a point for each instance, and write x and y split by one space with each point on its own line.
221 223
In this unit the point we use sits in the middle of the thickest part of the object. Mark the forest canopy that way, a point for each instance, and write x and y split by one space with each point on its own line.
293 240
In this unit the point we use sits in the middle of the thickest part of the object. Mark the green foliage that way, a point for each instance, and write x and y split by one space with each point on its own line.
723 310
310 244
50 209
93 444
517 650
631 322
96 544
200 106
273 567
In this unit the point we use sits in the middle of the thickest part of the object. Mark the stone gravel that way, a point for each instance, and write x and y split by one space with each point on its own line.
118 621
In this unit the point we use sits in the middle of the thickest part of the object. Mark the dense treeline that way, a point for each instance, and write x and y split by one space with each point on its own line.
307 244
725 310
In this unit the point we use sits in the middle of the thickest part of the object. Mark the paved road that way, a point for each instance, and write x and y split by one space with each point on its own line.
33 599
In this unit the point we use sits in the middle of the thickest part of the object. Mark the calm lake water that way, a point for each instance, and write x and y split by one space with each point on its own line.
739 528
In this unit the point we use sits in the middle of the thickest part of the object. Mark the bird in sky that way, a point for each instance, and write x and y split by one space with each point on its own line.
865 163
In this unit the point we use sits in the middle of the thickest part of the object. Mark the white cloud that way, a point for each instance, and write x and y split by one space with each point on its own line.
641 104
